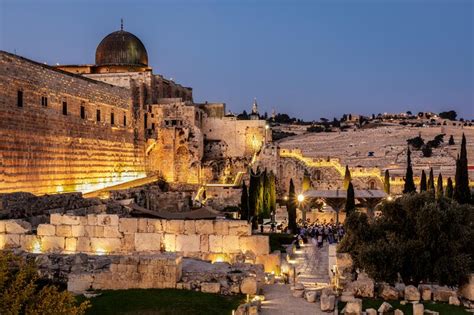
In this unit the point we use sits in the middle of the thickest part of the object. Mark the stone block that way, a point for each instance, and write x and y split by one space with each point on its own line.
189 227
71 244
221 227
94 231
107 220
249 286
230 244
145 242
128 242
55 218
30 243
467 290
257 244
327 303
53 243
9 241
128 225
78 283
78 230
353 307
442 294
388 292
310 296
204 246
371 311
425 292
92 219
63 230
158 225
175 226
204 227
240 228
398 312
70 219
210 287
2 226
83 245
412 293
112 231
215 243
142 225
105 245
454 300
17 227
418 309
170 242
188 243
46 230
384 307
270 262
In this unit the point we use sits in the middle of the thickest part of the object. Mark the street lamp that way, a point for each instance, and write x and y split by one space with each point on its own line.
300 201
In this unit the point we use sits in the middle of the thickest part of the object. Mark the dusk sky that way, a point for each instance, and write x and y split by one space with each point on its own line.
309 59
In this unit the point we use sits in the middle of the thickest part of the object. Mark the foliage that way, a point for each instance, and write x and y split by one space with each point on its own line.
306 185
254 203
277 240
409 182
278 134
350 200
439 187
416 142
21 294
163 302
418 237
315 128
386 182
423 184
451 115
451 140
244 203
291 207
462 193
427 151
347 178
449 189
431 185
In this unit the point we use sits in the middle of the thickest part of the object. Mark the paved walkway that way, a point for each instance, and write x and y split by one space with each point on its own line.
311 264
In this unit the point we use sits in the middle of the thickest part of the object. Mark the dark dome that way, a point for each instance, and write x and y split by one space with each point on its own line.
121 48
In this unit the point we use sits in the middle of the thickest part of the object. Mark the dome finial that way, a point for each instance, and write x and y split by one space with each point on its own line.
121 24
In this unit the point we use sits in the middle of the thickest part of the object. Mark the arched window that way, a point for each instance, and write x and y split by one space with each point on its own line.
372 185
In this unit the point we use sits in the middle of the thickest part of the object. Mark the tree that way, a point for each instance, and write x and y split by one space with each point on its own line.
451 140
291 207
409 183
431 186
417 238
439 187
386 182
266 196
462 193
451 115
427 151
306 185
244 203
423 185
350 200
20 292
449 189
254 196
347 178
416 142
272 180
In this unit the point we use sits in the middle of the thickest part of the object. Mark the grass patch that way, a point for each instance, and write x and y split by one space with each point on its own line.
441 308
279 239
161 301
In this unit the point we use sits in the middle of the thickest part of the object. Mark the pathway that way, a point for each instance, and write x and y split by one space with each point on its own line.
311 264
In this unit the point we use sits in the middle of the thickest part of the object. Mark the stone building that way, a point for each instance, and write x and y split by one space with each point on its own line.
85 127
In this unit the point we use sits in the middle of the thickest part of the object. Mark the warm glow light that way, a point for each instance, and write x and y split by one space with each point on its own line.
285 198
100 251
389 198
219 258
267 127
300 198
36 247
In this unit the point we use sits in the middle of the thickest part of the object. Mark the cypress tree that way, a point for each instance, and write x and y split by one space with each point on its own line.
409 183
462 193
266 195
449 189
350 200
439 187
431 185
291 207
244 203
260 198
386 182
253 198
306 185
347 178
451 140
272 188
423 185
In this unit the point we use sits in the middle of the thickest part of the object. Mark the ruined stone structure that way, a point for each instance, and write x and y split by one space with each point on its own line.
85 127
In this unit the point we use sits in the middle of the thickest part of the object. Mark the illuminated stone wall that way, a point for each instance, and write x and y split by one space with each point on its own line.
109 234
44 151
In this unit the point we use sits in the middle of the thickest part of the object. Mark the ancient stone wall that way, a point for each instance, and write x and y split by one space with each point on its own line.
51 139
109 234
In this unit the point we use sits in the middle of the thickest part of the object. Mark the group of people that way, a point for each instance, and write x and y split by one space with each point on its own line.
319 232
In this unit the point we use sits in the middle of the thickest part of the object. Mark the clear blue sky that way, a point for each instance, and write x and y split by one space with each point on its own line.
310 59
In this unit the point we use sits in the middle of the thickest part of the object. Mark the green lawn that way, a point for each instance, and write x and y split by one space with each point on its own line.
442 308
161 301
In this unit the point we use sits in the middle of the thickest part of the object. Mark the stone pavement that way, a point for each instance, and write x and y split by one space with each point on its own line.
311 264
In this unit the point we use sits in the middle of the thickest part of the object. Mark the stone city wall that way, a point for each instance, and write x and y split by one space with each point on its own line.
108 234
44 150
